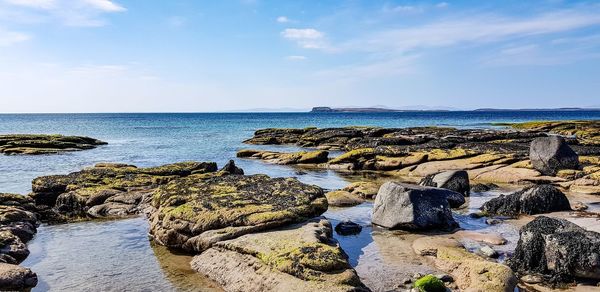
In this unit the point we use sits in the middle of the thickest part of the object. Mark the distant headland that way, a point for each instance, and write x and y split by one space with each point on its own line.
326 109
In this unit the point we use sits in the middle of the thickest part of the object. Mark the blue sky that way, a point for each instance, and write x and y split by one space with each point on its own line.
175 56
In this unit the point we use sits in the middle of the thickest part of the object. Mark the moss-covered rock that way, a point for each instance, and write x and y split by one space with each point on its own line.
301 257
342 198
191 213
74 194
302 157
430 283
45 144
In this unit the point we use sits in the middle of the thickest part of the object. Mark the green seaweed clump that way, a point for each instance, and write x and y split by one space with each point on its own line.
430 283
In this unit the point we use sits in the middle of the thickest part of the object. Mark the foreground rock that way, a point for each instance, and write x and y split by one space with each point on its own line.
107 190
455 180
194 212
343 199
558 250
16 278
412 207
471 272
551 154
45 144
17 226
532 200
302 257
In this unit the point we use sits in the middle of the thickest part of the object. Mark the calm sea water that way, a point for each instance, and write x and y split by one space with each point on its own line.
116 255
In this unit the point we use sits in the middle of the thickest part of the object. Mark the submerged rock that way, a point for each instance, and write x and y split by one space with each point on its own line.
454 180
413 207
195 212
537 199
45 144
343 199
302 157
480 187
558 250
348 228
551 154
302 257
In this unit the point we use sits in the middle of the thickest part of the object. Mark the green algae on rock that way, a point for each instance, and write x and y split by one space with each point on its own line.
301 257
35 144
430 283
302 157
192 213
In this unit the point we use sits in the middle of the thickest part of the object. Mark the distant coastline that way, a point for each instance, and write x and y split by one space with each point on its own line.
325 109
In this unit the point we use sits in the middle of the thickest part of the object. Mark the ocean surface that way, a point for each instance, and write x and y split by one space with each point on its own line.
116 255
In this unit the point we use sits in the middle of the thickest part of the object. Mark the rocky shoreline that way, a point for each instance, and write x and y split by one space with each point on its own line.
257 233
29 144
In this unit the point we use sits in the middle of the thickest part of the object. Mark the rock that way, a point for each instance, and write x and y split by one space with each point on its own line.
18 225
445 278
480 188
348 228
193 213
74 195
537 199
579 206
493 221
490 238
473 273
428 246
551 154
15 278
343 199
532 279
230 168
366 190
454 180
488 252
412 207
303 157
558 250
302 257
29 144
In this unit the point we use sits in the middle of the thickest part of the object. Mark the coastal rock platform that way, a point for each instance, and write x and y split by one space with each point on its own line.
32 144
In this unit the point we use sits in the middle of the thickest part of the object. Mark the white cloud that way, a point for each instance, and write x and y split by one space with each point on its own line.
482 29
442 5
391 66
308 38
404 9
39 4
296 58
8 38
105 5
282 19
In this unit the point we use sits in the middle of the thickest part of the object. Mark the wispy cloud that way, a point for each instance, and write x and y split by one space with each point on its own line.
8 38
67 12
282 19
296 58
308 38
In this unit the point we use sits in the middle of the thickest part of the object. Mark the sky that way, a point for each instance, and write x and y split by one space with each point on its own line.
207 56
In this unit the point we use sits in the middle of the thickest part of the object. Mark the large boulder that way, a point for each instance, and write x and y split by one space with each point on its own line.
15 278
195 212
413 207
537 199
550 154
558 250
454 180
301 257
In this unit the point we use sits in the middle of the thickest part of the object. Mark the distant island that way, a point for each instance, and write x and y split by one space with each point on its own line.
326 109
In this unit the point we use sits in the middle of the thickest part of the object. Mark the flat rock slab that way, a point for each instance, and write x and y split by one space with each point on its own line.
194 213
45 144
298 258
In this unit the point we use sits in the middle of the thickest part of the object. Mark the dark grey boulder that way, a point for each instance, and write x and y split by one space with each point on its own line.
537 199
558 250
16 278
550 154
454 180
348 228
413 207
480 188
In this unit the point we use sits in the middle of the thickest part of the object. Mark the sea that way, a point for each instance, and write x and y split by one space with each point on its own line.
117 255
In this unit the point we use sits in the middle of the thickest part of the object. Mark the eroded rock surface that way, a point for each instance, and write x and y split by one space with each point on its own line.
195 212
558 250
531 200
301 257
552 154
45 144
455 180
